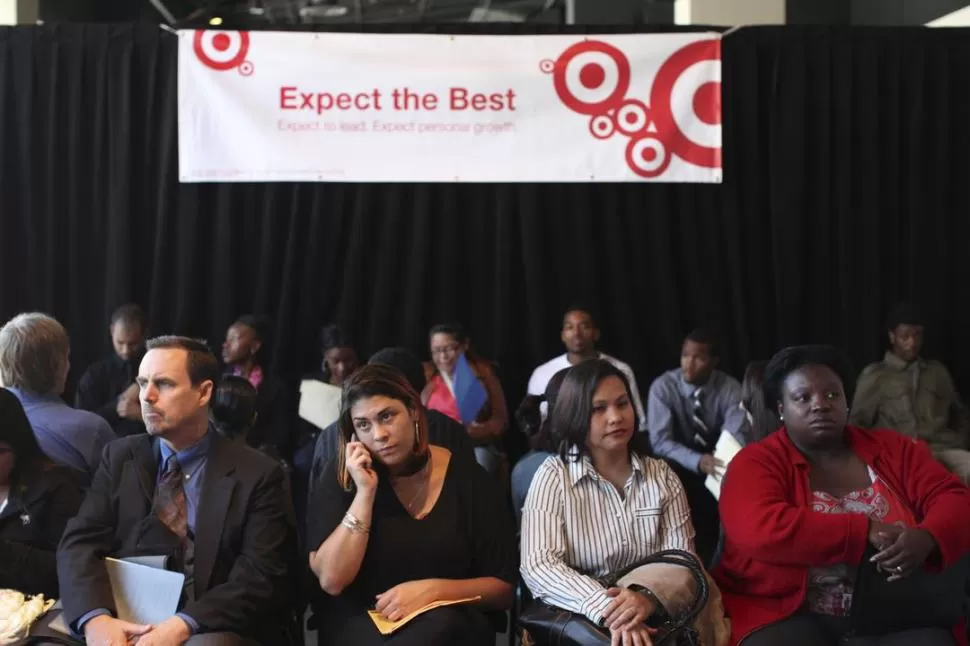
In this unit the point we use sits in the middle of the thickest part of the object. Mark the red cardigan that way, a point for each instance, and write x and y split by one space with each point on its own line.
772 536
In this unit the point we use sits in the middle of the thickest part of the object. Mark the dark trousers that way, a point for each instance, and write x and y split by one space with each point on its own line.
807 629
448 626
703 512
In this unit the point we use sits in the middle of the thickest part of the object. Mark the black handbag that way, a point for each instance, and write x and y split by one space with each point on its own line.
547 625
921 600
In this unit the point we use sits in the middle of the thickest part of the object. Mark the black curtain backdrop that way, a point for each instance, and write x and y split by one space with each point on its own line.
847 186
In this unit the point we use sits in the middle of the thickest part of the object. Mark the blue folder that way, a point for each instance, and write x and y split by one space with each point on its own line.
469 391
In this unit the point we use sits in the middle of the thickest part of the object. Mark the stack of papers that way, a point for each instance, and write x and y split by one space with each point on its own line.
727 447
144 592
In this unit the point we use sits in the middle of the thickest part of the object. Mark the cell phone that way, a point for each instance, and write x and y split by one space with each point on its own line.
353 438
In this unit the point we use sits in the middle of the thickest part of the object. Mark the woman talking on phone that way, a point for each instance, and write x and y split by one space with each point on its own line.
397 524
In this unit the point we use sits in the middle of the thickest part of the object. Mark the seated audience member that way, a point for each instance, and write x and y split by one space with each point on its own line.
34 361
244 352
108 386
914 396
397 524
215 507
37 499
320 392
234 411
579 335
539 433
801 507
319 408
761 420
442 430
688 408
600 508
448 342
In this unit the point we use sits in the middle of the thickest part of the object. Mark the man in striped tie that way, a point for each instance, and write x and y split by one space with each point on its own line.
215 508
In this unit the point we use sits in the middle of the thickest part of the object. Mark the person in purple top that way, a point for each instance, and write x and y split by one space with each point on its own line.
34 362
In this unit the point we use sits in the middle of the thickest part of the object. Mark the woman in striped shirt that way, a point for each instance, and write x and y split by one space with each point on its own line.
600 507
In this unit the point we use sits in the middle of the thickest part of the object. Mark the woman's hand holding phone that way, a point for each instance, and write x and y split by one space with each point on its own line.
359 464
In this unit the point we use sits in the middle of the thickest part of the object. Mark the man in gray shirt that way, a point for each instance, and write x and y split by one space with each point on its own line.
687 409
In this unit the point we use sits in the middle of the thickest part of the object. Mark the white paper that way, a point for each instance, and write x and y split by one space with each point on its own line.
319 403
144 594
157 562
725 450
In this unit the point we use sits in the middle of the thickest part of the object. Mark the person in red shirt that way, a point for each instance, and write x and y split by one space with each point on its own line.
800 508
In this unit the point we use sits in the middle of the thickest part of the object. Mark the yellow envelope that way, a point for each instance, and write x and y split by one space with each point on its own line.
387 627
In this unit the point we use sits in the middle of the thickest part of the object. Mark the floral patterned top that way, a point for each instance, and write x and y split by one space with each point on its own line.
830 588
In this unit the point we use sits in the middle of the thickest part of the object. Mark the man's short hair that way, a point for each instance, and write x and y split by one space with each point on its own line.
585 308
202 363
130 314
705 336
34 350
904 314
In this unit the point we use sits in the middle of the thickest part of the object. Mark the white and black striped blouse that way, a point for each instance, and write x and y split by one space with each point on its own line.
578 530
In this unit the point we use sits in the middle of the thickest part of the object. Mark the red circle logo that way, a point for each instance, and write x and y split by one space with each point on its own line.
685 79
221 50
591 77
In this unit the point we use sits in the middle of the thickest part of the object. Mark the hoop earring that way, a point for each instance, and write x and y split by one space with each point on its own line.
417 434
781 417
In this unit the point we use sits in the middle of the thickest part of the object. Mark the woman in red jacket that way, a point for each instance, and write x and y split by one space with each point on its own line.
800 508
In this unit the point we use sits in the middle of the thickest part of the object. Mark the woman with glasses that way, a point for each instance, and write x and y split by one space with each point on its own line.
448 343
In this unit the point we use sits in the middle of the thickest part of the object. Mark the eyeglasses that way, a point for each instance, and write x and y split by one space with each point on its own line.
448 349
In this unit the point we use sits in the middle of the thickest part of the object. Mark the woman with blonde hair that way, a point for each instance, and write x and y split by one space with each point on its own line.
397 524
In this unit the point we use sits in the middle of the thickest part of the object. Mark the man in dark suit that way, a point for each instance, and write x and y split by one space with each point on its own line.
215 508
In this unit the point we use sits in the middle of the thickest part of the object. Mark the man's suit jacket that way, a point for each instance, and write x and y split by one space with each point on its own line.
245 547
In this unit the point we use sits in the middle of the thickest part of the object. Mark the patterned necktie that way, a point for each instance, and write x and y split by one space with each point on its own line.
696 410
169 503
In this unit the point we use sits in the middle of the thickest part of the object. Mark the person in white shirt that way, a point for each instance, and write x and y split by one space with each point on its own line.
600 507
579 335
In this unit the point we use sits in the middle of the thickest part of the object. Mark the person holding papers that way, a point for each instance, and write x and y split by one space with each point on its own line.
464 387
687 410
214 507
405 535
320 392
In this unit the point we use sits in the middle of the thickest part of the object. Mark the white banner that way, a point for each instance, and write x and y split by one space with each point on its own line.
285 106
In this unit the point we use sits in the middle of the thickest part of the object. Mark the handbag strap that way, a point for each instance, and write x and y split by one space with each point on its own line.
689 561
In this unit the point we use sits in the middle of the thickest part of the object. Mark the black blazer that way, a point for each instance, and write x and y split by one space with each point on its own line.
245 548
276 419
101 385
31 525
